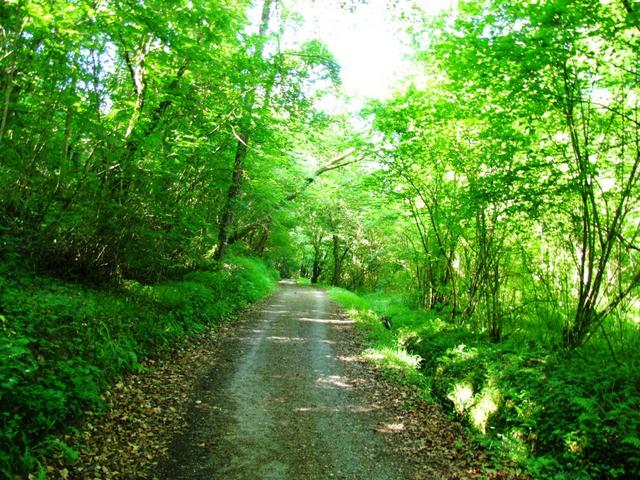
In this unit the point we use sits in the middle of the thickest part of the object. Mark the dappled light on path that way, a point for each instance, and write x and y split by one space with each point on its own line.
391 427
324 320
290 403
333 381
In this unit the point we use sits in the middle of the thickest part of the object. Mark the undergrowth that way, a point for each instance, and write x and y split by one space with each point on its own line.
562 415
61 344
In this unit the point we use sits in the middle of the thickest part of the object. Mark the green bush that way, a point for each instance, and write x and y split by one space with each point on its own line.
564 415
61 344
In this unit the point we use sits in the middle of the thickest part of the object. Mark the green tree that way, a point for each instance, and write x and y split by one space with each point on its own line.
565 72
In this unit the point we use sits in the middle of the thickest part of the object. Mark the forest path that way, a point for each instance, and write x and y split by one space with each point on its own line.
287 403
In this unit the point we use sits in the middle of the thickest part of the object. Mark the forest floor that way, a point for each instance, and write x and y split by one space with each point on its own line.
282 393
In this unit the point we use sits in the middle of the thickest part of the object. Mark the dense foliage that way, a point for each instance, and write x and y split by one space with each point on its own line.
132 134
499 194
560 416
147 149
61 344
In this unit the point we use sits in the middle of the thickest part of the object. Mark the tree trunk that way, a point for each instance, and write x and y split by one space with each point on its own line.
316 271
337 261
318 261
232 194
242 146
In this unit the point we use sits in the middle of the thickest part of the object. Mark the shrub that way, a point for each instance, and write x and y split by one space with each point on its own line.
565 415
61 344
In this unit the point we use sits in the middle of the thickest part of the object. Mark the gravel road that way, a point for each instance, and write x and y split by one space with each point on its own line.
286 404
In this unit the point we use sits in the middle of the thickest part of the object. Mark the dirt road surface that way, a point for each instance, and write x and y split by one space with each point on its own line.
286 404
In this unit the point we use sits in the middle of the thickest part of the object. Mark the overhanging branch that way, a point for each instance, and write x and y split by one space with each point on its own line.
335 163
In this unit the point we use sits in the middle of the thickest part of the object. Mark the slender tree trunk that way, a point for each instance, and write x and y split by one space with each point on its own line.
10 76
316 271
598 234
318 265
236 182
337 261
226 220
5 107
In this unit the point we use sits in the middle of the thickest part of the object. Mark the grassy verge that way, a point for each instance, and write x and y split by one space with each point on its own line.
61 344
384 346
562 415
